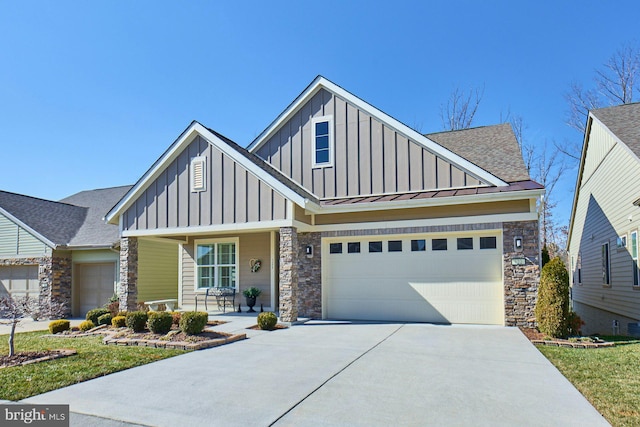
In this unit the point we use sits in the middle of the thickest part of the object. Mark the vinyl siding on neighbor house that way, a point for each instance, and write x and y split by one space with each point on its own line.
232 195
16 241
157 270
603 212
369 157
250 246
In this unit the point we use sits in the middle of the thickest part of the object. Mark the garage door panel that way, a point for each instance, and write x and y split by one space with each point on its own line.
453 286
19 280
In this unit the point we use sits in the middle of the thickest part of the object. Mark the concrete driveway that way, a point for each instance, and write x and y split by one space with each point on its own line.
341 375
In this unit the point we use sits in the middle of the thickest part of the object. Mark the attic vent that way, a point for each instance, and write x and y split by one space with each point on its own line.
198 173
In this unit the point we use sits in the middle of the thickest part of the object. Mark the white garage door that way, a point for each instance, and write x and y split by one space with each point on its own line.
94 285
454 278
19 280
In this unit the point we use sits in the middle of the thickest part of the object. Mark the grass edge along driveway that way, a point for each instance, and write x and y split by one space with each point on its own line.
93 360
608 377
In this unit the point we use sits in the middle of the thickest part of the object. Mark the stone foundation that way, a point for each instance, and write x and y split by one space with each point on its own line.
127 289
600 322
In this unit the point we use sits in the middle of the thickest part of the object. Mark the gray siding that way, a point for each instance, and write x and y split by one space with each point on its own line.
369 157
16 241
605 211
233 195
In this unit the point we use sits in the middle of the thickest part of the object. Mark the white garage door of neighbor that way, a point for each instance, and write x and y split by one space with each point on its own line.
418 278
19 280
94 285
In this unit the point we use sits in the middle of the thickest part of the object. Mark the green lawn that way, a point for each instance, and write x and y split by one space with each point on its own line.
94 359
608 377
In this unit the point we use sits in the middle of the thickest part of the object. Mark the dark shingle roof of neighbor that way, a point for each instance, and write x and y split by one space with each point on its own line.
624 122
493 148
73 221
94 231
55 221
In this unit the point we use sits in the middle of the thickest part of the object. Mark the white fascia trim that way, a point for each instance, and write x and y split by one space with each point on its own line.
477 219
210 229
435 201
321 82
29 229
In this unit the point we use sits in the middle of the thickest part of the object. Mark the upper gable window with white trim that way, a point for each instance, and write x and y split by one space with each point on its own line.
198 174
322 141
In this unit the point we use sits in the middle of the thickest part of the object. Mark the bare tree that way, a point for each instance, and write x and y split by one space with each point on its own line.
460 109
614 84
14 309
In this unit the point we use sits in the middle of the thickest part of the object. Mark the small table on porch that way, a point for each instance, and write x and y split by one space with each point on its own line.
222 295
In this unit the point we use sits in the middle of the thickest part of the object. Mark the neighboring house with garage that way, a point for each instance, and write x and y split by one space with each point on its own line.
605 221
64 250
337 210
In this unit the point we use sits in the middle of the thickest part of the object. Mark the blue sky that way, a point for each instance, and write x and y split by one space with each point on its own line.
92 93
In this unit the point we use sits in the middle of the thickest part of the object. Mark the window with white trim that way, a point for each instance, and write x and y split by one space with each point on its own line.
198 174
579 268
621 243
634 258
606 265
322 128
216 264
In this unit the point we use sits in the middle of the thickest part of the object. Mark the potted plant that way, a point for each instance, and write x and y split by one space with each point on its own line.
251 294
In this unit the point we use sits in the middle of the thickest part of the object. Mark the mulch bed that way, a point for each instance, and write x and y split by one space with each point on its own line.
538 338
28 357
278 326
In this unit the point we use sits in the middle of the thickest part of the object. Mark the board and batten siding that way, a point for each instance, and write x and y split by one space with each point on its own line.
157 270
605 211
250 246
232 195
16 241
369 157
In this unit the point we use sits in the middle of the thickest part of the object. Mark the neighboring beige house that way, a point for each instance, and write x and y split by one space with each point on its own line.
603 235
349 213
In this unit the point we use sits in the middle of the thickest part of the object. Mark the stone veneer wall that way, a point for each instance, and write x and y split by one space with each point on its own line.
288 274
127 286
310 276
521 281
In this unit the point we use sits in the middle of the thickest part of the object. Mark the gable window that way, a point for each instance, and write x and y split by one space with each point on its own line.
394 246
465 243
198 174
375 246
335 248
216 263
634 258
439 245
606 265
322 141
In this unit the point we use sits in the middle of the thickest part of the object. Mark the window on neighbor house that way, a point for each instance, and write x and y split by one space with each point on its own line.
634 258
322 141
216 265
606 265
579 268
621 242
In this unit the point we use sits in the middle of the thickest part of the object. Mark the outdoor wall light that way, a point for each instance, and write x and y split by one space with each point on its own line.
517 243
309 251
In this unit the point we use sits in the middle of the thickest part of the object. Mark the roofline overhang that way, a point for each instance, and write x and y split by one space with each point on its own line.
430 202
320 82
576 191
20 223
186 137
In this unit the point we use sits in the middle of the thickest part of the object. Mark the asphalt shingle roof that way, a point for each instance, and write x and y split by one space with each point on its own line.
493 148
94 231
58 222
624 122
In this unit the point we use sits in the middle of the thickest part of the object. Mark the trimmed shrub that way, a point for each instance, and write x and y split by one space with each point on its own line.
136 320
119 322
267 321
121 313
105 319
86 325
193 322
58 326
95 313
159 322
552 308
176 317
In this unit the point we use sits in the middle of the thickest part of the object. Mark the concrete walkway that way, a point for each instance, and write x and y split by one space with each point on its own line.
341 374
29 325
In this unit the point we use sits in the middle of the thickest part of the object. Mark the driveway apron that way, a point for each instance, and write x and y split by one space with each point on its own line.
343 374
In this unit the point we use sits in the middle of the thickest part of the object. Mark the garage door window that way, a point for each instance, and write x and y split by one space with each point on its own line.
394 245
439 245
375 246
353 247
465 243
418 245
335 248
488 243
